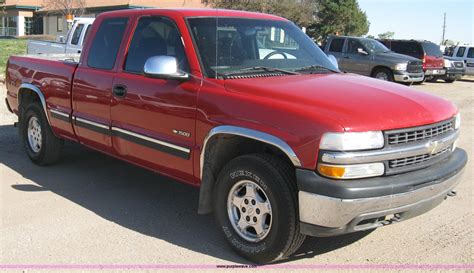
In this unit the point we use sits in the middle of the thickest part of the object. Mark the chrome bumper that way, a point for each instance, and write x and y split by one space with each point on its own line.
349 215
408 77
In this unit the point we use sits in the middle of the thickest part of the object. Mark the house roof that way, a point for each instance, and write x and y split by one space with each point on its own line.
91 4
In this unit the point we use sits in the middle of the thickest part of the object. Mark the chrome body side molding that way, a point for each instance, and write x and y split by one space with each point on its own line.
252 134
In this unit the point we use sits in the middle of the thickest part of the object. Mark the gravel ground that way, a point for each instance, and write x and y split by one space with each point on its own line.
116 213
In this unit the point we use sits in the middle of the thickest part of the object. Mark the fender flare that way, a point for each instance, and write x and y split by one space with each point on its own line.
35 89
207 182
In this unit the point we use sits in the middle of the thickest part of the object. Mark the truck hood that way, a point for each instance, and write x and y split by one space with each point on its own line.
356 103
394 57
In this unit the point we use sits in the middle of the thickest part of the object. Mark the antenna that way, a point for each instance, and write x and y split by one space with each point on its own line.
443 42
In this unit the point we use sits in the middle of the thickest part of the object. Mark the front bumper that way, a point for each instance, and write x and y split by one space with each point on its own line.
330 207
408 77
453 73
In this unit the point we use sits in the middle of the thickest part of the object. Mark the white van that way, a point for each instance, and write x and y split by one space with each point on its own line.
464 53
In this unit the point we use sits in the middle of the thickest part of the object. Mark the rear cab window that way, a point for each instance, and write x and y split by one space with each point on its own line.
106 43
336 45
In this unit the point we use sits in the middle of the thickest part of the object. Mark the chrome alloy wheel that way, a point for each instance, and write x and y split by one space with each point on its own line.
34 134
382 76
249 210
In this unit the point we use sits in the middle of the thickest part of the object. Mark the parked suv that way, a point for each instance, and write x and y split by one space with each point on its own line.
463 53
428 52
369 57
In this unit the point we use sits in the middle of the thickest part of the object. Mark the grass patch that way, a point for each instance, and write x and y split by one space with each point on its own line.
10 47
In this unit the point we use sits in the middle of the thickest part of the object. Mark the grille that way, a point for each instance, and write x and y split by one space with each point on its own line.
415 67
412 160
419 133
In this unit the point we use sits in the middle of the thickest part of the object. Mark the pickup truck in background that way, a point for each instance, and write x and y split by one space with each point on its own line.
428 52
369 57
463 53
279 147
73 43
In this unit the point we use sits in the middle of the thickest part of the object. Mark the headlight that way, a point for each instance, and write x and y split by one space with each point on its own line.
447 63
351 171
352 141
457 121
401 67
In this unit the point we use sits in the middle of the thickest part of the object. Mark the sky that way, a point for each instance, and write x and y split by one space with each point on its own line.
421 19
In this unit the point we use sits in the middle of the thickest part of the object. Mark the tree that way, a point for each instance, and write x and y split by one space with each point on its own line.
342 17
386 35
65 7
370 36
301 12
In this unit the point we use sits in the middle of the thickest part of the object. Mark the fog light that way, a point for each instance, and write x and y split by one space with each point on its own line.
351 171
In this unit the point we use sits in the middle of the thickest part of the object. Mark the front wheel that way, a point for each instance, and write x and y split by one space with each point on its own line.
41 145
383 74
257 209
449 80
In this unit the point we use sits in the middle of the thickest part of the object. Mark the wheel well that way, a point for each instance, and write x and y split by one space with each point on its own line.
222 148
379 67
26 97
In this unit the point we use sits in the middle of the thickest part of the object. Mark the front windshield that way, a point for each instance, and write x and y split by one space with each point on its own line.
228 45
374 46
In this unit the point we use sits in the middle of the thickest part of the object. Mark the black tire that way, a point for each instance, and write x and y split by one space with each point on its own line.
432 79
449 80
278 181
383 71
51 146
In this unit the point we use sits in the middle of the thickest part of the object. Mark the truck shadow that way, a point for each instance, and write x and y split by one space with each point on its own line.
134 198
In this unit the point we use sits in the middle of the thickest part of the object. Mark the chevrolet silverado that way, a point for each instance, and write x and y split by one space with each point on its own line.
247 108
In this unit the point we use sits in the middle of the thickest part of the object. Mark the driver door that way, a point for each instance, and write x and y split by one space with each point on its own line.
356 58
153 120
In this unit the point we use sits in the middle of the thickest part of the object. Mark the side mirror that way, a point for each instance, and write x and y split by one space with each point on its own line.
333 60
361 51
164 67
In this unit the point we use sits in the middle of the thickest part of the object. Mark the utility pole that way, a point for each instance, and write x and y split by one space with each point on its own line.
444 29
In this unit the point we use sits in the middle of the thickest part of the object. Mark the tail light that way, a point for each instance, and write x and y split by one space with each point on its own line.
424 61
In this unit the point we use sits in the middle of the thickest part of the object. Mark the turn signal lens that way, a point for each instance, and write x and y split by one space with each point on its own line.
351 171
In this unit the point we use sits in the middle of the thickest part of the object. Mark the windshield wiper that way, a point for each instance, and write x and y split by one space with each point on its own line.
315 68
250 70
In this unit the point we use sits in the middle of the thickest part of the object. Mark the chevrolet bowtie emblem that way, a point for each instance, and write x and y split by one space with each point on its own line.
432 147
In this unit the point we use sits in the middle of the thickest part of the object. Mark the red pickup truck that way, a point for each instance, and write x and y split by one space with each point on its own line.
247 108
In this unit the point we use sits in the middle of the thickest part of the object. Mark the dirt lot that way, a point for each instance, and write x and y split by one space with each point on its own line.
92 209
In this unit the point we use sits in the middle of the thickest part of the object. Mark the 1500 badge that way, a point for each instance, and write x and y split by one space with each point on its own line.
181 133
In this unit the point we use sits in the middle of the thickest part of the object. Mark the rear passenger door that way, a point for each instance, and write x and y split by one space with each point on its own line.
92 85
74 44
335 47
153 120
470 61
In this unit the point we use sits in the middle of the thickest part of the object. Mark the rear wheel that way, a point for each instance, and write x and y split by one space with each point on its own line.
256 206
41 145
383 74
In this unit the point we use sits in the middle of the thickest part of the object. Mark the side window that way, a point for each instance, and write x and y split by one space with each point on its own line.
77 34
461 51
353 46
155 36
87 33
470 52
106 43
336 45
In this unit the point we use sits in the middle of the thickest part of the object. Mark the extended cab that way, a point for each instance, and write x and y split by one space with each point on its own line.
369 57
247 108
73 42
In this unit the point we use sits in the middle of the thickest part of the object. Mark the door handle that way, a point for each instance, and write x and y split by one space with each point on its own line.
120 91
